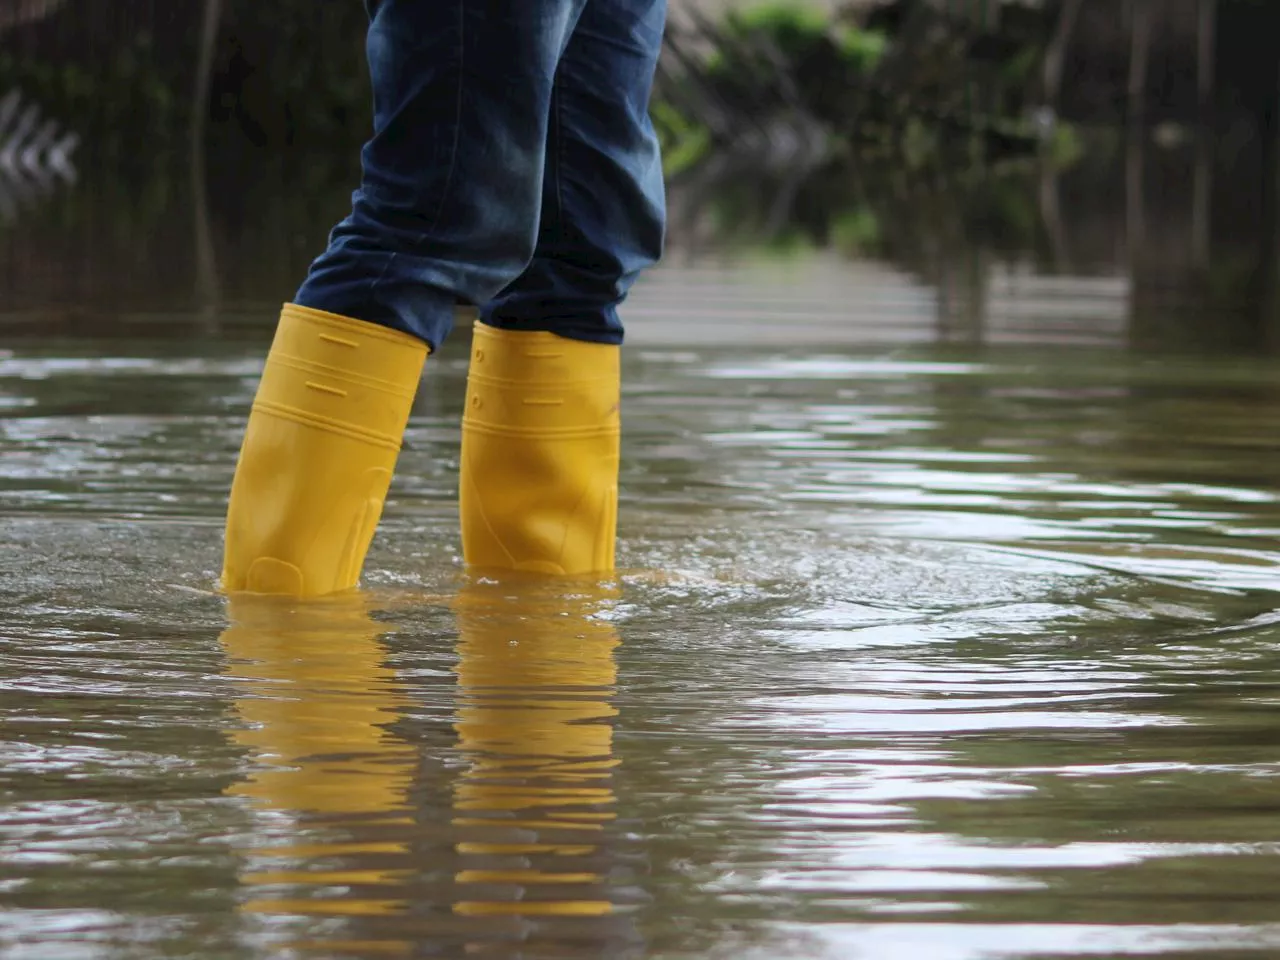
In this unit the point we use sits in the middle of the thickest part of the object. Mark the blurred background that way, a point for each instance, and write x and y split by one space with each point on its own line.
960 170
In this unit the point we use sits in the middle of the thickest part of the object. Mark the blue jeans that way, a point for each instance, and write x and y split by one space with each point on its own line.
513 167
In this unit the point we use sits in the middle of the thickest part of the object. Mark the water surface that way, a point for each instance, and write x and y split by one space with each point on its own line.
921 649
945 628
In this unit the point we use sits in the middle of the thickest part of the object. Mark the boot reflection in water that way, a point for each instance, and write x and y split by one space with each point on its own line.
536 677
315 706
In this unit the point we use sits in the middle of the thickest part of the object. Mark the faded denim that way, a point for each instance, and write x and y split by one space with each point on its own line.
513 166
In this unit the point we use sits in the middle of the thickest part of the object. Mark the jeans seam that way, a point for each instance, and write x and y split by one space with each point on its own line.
453 150
557 98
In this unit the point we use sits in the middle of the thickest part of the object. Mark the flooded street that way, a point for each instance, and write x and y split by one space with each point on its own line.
942 633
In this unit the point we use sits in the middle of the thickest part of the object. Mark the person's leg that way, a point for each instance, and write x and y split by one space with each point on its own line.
604 206
540 441
448 207
447 210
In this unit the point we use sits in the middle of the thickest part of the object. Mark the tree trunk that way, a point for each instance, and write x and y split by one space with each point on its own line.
1207 47
1056 56
1140 59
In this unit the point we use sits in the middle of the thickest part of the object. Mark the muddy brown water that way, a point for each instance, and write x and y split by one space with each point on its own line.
925 645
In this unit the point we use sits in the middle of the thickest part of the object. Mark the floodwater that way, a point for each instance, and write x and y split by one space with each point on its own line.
935 638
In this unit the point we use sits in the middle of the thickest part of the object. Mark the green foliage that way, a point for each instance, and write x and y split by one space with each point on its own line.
919 143
798 32
784 20
1066 148
293 71
123 100
1022 69
940 97
856 231
684 143
863 49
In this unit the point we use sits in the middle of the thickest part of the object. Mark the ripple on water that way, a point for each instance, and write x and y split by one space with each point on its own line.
912 657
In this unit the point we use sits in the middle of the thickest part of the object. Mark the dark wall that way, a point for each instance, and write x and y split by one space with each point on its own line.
285 71
293 71
1249 54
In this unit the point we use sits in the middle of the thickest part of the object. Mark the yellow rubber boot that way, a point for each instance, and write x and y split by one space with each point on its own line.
540 443
318 454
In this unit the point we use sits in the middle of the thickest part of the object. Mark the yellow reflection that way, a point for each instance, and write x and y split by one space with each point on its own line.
316 701
536 675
